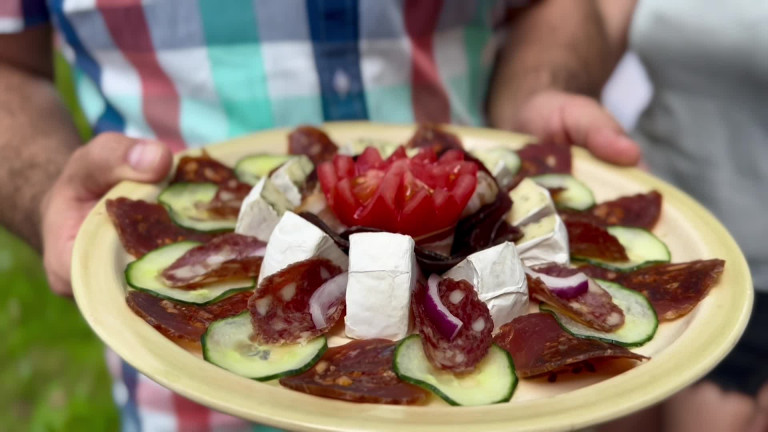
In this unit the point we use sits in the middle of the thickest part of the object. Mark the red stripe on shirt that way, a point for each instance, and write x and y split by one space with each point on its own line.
128 27
428 95
11 9
191 416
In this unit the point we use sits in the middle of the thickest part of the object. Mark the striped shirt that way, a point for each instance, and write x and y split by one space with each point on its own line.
191 72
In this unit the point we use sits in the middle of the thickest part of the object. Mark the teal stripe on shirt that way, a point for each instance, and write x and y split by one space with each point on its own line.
237 65
88 95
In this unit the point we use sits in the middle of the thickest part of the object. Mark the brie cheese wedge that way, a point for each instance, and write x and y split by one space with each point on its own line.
295 239
290 176
261 210
499 279
530 203
544 242
382 275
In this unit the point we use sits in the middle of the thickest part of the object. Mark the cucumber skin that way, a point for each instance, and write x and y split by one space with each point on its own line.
306 367
546 308
606 340
222 296
242 174
618 266
174 215
436 391
565 178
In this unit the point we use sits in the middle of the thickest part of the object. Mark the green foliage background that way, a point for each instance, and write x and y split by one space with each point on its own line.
52 369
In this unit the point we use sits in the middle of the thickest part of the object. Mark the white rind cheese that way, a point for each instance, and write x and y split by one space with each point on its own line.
261 210
382 275
295 239
290 176
531 202
499 279
544 242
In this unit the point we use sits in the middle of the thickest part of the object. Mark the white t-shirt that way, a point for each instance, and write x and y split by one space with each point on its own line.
706 127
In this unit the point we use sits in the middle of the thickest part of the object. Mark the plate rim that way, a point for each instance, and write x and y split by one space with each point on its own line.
570 412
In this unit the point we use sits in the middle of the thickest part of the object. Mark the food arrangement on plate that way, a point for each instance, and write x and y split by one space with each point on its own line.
453 273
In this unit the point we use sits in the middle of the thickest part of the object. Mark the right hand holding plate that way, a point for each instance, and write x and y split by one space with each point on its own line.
90 172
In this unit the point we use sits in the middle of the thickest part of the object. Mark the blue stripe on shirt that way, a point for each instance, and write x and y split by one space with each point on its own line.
334 28
110 119
130 412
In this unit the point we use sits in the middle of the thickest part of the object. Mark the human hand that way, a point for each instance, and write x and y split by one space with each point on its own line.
89 173
575 119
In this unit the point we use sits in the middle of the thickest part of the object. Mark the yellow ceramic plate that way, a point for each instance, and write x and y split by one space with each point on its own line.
681 352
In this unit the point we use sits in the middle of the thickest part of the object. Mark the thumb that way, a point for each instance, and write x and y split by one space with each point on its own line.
589 125
111 158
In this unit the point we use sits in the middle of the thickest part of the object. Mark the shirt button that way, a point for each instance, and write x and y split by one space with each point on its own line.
341 83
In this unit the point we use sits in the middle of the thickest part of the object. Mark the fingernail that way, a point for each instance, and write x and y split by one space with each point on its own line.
144 155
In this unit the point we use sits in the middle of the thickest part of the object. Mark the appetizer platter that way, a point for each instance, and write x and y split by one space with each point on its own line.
385 277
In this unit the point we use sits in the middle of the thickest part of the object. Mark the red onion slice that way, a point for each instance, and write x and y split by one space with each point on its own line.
564 287
326 300
447 324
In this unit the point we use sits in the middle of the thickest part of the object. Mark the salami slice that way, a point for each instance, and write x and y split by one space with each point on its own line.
567 214
543 158
641 210
203 169
674 289
144 227
538 345
182 321
312 142
586 239
229 256
228 199
280 306
360 371
591 271
472 341
432 136
594 308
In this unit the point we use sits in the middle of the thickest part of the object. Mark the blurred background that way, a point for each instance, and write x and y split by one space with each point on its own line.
52 369
52 372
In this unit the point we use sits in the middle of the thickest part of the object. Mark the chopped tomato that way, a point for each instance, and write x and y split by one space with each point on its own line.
415 196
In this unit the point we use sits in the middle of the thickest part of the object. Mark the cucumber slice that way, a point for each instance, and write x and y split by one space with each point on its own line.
185 203
252 168
357 146
144 275
227 344
493 381
640 321
642 246
502 162
574 195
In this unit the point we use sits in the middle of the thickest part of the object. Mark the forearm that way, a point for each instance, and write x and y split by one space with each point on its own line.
617 17
553 45
36 139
